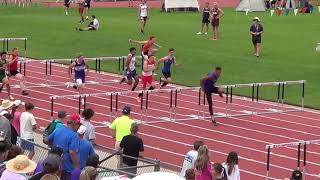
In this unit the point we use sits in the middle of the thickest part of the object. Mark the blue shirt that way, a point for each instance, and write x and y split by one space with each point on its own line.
167 64
210 83
68 140
79 70
85 150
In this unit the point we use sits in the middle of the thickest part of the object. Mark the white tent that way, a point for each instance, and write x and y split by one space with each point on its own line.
290 4
251 5
172 4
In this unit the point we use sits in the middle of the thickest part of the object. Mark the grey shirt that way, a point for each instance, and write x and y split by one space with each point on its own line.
90 133
5 129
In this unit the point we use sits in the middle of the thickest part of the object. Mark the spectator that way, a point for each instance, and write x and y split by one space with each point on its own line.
231 166
120 127
256 31
3 154
203 164
13 152
190 174
27 127
67 139
50 177
16 108
190 158
94 25
132 146
85 149
54 125
14 134
55 151
88 173
17 168
218 172
51 165
5 129
296 175
93 161
90 134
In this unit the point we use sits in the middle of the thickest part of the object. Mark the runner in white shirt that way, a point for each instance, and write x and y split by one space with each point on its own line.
27 127
94 25
143 15
231 166
190 158
130 70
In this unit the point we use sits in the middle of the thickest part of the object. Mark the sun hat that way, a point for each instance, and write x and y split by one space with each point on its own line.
18 103
256 19
21 164
88 173
6 104
82 129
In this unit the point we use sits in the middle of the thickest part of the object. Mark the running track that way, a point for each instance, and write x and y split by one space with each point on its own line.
169 141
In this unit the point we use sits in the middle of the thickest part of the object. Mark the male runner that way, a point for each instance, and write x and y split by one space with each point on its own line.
146 45
207 84
149 65
66 6
87 7
81 4
166 69
131 69
3 76
13 70
143 15
79 67
205 19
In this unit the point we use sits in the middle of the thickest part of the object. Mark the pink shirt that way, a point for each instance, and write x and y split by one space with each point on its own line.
205 174
16 122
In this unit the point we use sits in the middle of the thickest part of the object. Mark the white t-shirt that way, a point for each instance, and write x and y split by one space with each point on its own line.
235 175
90 130
188 162
143 10
132 65
27 121
95 23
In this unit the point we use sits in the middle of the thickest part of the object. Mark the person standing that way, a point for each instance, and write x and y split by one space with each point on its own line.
143 15
256 31
90 134
132 146
190 158
13 70
3 76
66 4
67 139
207 84
205 19
87 6
120 128
27 126
81 8
85 147
130 2
203 165
231 166
131 71
216 14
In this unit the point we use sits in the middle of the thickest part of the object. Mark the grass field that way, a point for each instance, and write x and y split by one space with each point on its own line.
288 44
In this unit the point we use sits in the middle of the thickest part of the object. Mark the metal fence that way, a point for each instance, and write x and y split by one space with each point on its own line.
108 166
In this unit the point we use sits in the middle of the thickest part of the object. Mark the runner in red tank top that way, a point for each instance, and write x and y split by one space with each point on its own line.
146 45
13 70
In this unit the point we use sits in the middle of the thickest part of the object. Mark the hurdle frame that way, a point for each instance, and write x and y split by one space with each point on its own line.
6 41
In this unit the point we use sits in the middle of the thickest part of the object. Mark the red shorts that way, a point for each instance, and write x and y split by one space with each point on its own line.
81 9
145 80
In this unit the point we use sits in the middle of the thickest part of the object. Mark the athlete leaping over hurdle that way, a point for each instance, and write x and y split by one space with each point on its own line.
146 45
130 71
79 67
207 84
149 65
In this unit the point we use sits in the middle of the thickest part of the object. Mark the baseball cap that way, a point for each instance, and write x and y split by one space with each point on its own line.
18 103
2 113
74 118
126 110
296 175
82 129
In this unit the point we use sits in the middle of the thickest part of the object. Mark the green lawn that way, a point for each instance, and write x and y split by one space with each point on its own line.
288 44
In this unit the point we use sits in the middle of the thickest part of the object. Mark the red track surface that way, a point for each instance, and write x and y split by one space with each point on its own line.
169 141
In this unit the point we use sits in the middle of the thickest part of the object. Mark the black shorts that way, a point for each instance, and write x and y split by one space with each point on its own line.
87 5
205 21
66 3
166 74
144 18
91 28
256 40
214 90
13 73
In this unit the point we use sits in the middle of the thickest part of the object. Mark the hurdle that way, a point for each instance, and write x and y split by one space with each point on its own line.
6 41
173 94
299 147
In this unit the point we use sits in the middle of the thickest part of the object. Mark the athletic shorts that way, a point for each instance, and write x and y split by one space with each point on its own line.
66 3
80 10
131 74
87 5
144 18
166 74
256 40
212 90
26 145
14 73
91 28
205 20
215 22
80 81
146 80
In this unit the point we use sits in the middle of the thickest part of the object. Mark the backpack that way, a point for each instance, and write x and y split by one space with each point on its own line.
50 128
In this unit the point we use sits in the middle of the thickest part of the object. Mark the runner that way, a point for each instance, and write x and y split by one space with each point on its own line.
13 70
146 45
207 84
3 76
216 13
130 3
166 69
81 5
66 6
131 72
205 19
143 15
147 74
87 7
79 67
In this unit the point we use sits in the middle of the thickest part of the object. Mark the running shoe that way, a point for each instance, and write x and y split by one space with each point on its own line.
25 93
206 33
214 122
199 33
75 87
122 80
